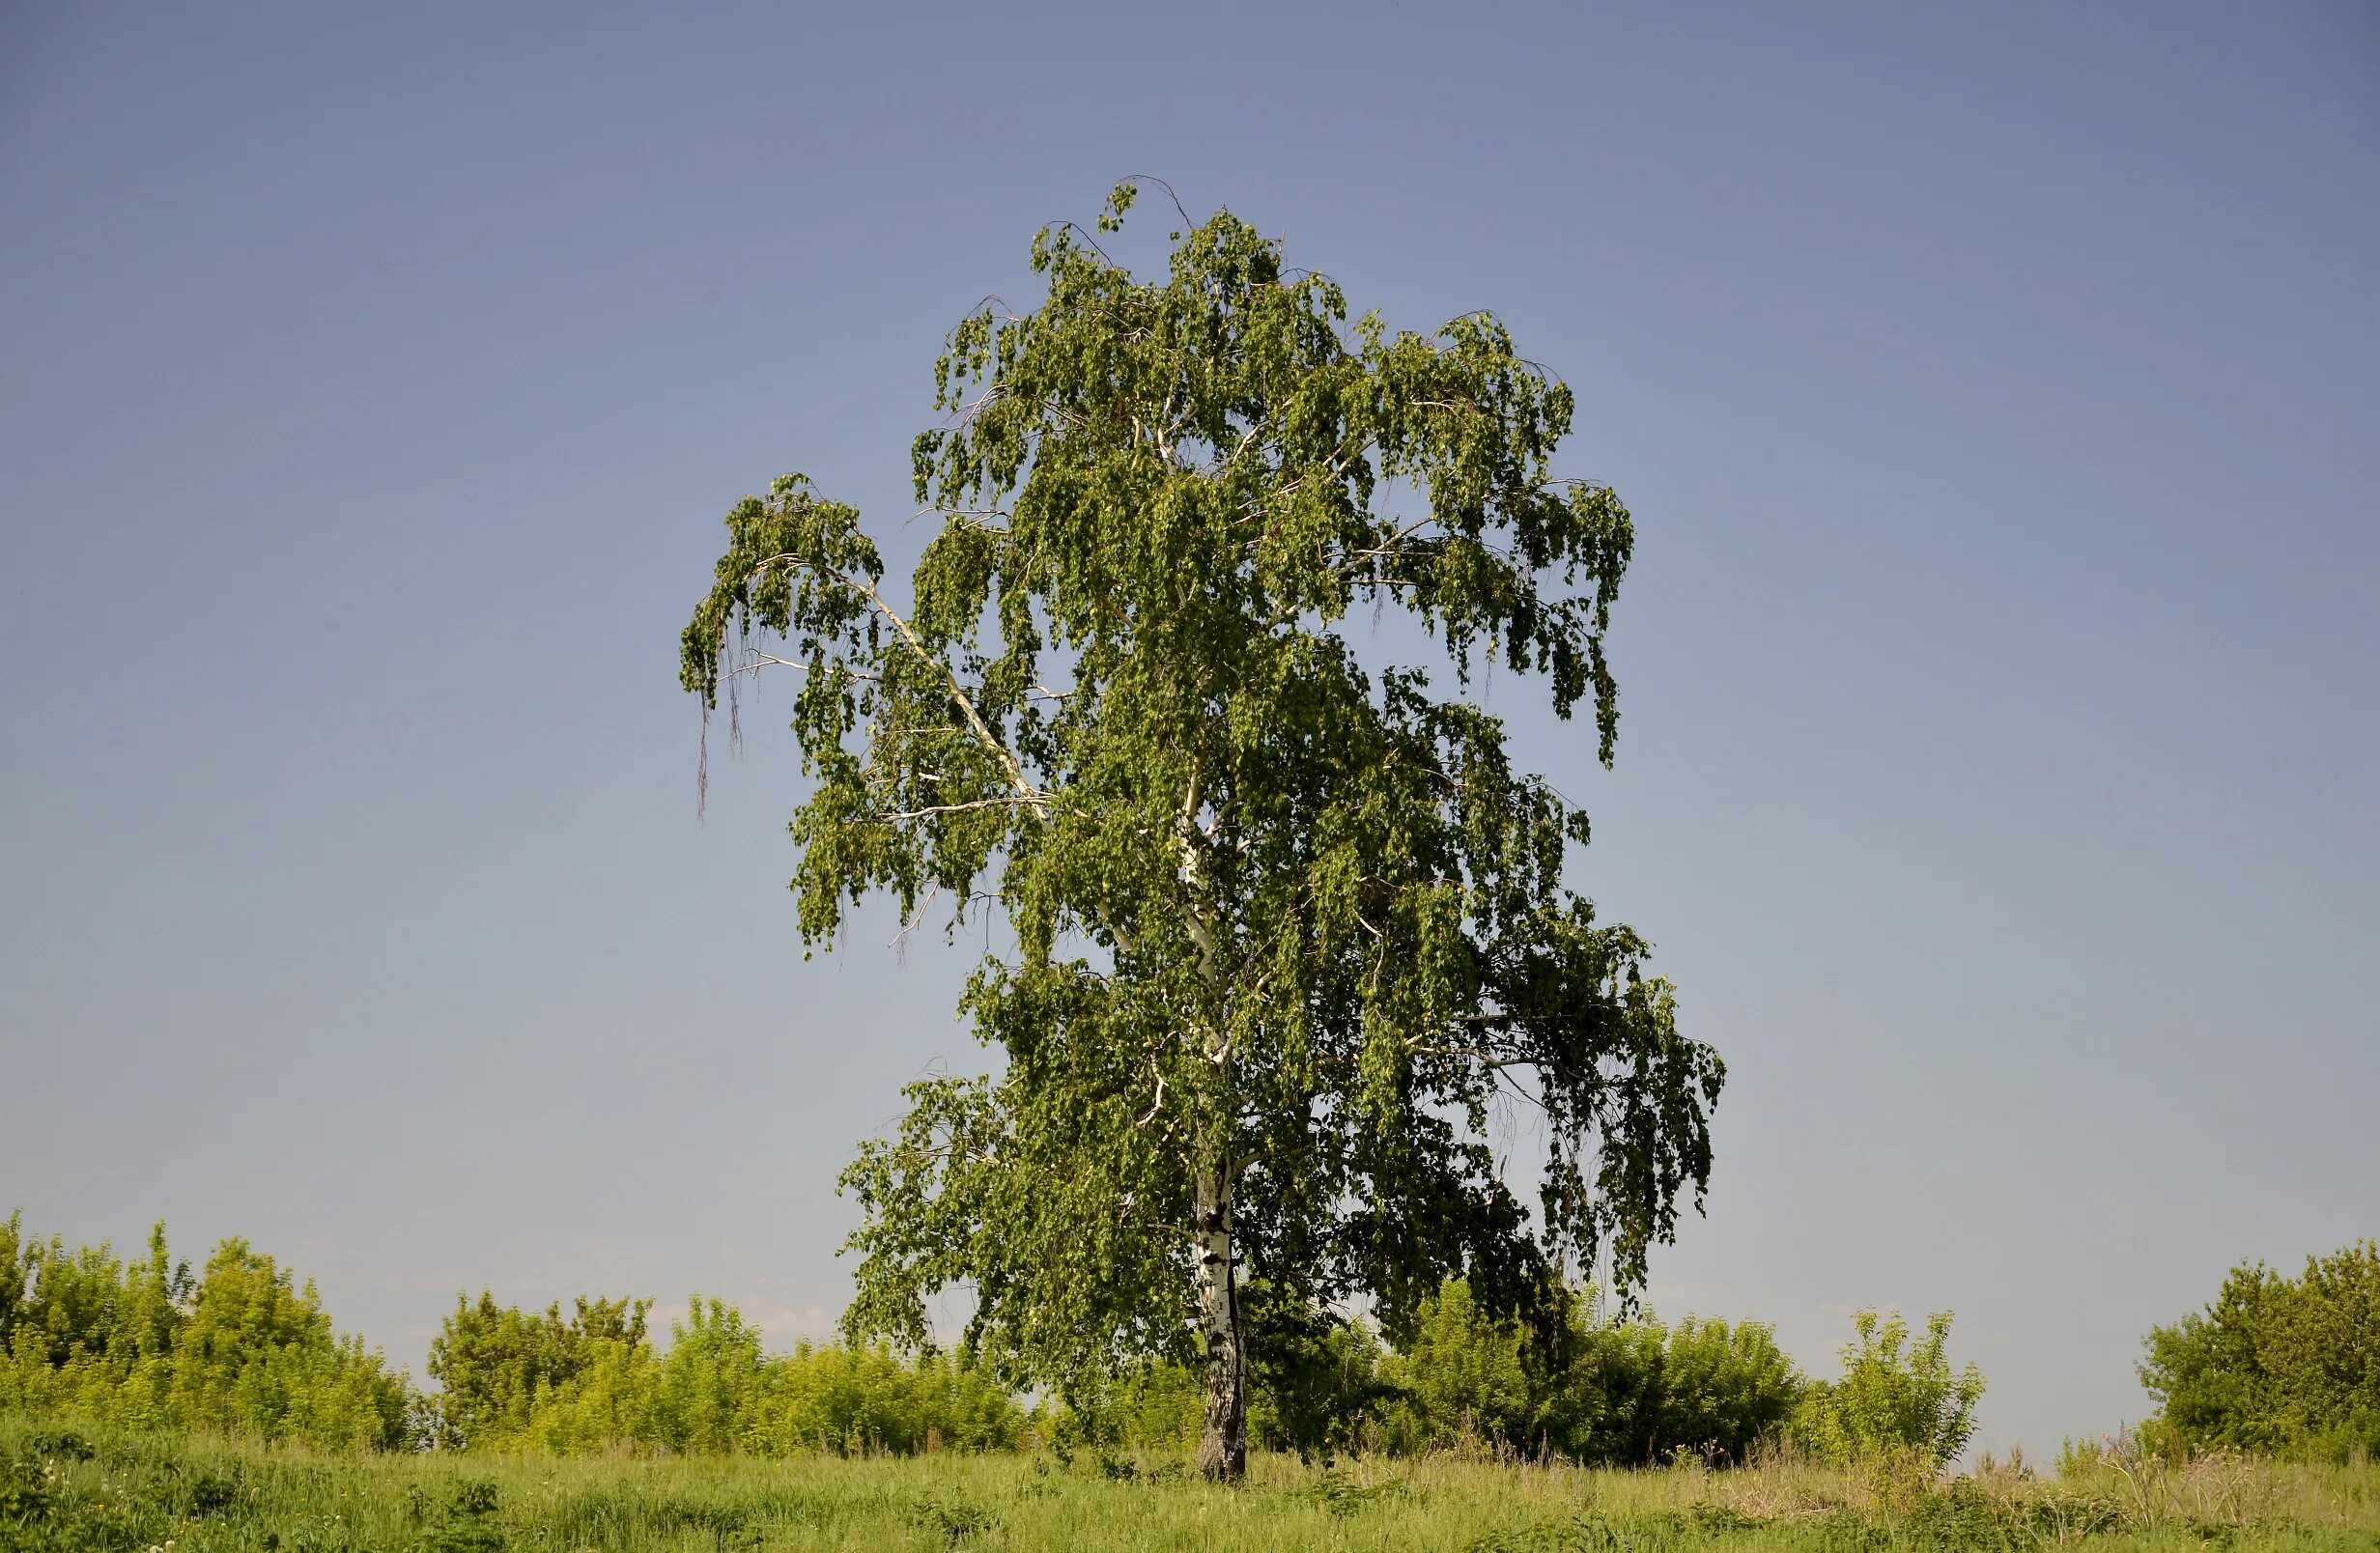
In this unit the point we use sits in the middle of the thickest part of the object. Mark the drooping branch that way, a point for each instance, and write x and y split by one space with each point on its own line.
1008 764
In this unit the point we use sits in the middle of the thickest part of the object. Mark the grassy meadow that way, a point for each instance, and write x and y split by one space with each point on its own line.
145 1408
147 1492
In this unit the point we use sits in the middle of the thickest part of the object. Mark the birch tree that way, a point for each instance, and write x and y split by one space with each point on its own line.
1287 925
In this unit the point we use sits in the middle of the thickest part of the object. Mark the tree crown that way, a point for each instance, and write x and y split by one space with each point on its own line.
1283 921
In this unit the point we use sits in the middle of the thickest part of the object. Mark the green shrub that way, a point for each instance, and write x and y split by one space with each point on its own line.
1721 1390
2277 1366
1152 1405
496 1365
1892 1398
517 1381
1318 1381
1466 1376
239 1349
851 1398
1610 1392
1316 1384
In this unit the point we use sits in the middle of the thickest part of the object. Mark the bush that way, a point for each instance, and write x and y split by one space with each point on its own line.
1610 1392
1153 1405
242 1349
2277 1366
1892 1398
1315 1388
1465 1375
1723 1388
1317 1381
497 1366
517 1381
237 1350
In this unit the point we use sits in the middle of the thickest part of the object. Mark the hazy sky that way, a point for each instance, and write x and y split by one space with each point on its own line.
1995 394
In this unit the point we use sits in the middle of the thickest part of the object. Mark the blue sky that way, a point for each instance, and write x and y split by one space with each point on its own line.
1995 392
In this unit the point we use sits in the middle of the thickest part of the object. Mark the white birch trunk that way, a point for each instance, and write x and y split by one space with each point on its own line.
1223 1448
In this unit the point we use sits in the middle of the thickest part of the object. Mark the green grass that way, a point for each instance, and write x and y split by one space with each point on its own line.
87 1489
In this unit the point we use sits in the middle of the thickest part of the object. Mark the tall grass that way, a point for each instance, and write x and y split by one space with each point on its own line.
136 1491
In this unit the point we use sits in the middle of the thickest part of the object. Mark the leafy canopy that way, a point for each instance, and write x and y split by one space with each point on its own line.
1283 922
2277 1366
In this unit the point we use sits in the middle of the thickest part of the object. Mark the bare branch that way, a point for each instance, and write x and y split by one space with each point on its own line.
1157 1104
965 704
754 661
1034 800
915 917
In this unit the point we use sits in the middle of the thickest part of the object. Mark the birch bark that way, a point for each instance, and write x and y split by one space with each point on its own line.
1223 1447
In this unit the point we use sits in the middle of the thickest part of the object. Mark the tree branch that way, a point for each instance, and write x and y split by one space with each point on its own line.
966 703
1014 801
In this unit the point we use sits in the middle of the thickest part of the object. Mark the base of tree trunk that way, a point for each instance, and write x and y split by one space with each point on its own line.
1220 1462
